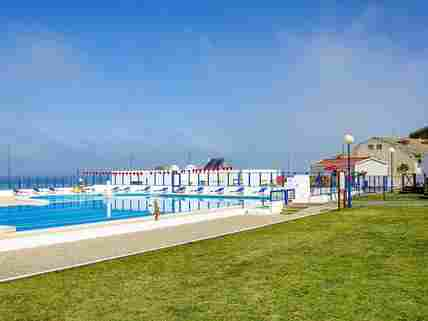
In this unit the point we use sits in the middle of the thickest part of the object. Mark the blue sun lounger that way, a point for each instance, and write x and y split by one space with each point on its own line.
262 190
200 189
219 190
240 190
181 189
144 190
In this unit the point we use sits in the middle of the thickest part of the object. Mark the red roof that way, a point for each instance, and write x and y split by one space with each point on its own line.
340 163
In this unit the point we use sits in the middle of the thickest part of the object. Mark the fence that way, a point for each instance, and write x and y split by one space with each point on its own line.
226 178
283 195
412 183
28 182
328 184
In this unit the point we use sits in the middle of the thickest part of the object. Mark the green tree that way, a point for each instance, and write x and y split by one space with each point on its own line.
403 168
419 157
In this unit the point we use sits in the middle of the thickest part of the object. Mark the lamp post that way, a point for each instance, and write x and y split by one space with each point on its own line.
391 165
349 139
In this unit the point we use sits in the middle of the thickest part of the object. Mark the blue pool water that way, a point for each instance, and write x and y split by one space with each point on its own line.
83 209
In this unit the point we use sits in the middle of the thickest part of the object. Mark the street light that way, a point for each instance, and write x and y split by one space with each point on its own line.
349 139
391 165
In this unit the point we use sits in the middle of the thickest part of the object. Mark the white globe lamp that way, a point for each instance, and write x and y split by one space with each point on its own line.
348 139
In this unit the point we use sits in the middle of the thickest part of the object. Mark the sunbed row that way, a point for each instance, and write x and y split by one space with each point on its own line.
220 190
206 190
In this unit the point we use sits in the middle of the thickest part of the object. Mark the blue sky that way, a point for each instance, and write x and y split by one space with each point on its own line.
263 84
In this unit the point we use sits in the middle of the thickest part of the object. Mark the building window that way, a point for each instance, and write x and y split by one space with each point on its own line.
379 146
371 147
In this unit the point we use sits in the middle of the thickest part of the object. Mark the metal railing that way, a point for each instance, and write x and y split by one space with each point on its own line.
28 182
328 184
283 195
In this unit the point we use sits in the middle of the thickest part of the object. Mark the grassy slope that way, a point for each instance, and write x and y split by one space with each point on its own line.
361 264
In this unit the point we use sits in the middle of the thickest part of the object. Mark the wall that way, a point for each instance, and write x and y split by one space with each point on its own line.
372 168
302 188
247 178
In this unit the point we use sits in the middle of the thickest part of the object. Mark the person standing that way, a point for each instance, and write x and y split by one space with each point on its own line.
156 210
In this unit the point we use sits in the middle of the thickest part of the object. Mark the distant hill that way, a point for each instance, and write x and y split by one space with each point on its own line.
420 133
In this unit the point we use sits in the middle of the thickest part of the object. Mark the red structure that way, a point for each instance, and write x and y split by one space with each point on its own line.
339 163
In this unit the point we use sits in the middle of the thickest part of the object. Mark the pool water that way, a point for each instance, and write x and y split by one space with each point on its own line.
83 209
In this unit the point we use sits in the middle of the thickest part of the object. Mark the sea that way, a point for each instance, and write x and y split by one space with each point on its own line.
21 182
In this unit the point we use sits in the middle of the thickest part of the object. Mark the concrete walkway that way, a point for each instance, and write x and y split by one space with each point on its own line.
16 201
29 262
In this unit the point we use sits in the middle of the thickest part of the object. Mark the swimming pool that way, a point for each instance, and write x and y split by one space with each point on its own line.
69 210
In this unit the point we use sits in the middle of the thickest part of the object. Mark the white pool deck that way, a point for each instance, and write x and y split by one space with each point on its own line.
10 241
21 201
6 230
61 250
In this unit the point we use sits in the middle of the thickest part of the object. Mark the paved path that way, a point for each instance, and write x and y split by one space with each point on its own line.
13 201
27 262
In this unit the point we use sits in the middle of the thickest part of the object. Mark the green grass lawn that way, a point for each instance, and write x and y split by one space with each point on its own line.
393 200
390 197
359 264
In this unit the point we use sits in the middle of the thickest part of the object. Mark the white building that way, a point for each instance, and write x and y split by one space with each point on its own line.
369 166
373 167
407 151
